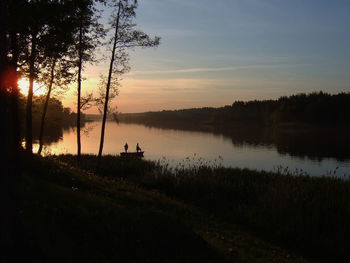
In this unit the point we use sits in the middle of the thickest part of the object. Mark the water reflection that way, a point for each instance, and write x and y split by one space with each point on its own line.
315 144
252 147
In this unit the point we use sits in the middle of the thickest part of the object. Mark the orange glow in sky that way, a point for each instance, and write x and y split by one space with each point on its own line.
23 85
211 57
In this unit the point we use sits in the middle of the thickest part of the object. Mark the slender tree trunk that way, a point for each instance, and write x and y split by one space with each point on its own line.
47 99
29 128
107 90
80 66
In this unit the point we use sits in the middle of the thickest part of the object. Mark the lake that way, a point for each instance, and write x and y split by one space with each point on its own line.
234 149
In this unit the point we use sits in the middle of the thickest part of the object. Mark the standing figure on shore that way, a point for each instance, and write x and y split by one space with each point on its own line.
138 149
126 146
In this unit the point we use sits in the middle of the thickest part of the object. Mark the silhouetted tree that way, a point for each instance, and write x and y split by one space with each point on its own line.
125 36
46 22
5 185
87 38
316 108
57 70
43 18
9 132
59 76
36 27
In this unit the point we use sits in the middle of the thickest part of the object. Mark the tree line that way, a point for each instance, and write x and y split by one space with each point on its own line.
58 116
316 108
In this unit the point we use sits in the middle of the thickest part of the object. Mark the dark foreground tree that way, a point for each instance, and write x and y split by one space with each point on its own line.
5 218
125 37
42 20
58 75
37 22
49 24
9 132
87 36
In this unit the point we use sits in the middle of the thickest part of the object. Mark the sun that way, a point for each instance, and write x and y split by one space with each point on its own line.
23 85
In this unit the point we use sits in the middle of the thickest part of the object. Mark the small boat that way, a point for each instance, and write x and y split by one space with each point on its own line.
132 154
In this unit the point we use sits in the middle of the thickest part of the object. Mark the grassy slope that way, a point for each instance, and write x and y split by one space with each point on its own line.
69 215
307 214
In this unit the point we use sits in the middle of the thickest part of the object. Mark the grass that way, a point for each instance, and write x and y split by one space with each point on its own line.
310 215
71 215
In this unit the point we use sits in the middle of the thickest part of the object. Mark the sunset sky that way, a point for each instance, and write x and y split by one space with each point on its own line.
215 52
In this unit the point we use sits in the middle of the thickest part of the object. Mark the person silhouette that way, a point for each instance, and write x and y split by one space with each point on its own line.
126 146
138 149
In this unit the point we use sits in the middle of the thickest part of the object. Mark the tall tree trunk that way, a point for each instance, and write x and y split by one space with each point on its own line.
14 112
3 74
80 66
9 136
47 99
6 227
105 109
14 98
29 125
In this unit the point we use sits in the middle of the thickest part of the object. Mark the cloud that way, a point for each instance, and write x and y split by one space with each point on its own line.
200 70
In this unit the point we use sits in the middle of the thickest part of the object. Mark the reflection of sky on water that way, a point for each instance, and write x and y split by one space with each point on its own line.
197 147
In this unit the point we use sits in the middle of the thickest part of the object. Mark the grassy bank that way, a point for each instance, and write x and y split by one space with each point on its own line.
310 215
70 215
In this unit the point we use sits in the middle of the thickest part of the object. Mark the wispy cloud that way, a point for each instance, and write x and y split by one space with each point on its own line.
199 70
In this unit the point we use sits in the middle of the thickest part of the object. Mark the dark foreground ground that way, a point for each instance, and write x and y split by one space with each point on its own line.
139 211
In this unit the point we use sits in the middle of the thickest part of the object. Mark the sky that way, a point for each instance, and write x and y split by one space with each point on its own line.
213 53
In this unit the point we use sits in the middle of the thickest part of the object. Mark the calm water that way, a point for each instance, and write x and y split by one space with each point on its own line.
186 147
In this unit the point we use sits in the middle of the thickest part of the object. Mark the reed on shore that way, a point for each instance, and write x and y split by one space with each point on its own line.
308 214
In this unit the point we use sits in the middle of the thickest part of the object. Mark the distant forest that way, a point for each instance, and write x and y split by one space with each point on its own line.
301 109
58 116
